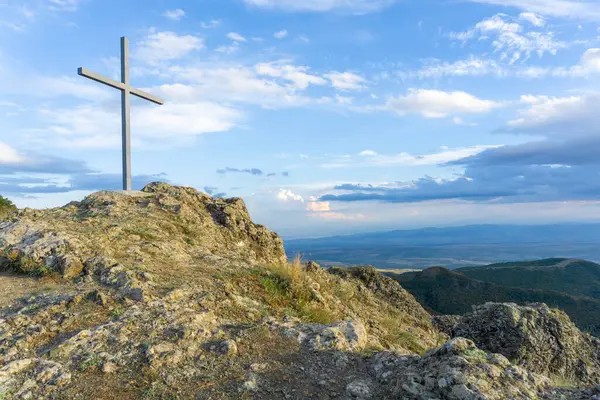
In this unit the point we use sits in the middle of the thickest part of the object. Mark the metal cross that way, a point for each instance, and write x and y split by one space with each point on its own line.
125 87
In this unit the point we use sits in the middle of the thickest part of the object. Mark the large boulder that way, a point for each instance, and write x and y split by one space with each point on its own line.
456 371
536 337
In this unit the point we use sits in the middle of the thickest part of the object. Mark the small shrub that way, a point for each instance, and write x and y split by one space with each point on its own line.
277 289
6 207
117 312
42 271
93 361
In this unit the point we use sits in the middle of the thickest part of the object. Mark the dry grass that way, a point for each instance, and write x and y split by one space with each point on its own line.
288 289
559 381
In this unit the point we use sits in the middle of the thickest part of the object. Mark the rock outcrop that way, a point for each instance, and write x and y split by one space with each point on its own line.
162 225
169 293
538 338
383 286
457 370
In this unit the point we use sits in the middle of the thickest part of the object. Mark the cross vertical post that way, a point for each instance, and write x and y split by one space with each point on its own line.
125 114
125 87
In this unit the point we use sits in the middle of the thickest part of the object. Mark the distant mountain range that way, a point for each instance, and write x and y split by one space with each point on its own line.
453 247
570 285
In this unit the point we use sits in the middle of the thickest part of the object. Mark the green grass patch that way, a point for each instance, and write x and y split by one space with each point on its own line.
117 312
93 361
476 356
561 382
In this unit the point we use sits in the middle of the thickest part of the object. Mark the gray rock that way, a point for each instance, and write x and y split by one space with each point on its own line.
228 347
359 390
542 340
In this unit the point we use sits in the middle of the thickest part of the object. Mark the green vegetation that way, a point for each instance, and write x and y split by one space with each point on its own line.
476 356
12 260
117 312
450 292
287 288
559 381
6 208
93 361
574 277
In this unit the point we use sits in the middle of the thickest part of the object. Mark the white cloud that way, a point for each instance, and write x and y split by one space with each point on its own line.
439 104
66 86
354 6
281 34
579 9
229 49
591 60
558 118
13 26
64 5
510 40
588 65
174 15
498 25
8 155
472 66
336 216
236 37
237 84
210 24
318 206
460 121
371 158
288 195
166 46
533 19
345 80
96 127
299 76
542 110
368 153
344 99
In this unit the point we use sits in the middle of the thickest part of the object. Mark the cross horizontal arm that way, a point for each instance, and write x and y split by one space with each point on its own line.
147 96
99 78
118 85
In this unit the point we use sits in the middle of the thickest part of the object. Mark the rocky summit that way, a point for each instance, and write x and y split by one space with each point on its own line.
169 293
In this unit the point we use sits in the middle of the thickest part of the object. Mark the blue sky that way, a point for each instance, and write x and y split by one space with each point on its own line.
326 116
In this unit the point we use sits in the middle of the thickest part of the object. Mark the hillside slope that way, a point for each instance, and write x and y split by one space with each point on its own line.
574 277
452 292
171 294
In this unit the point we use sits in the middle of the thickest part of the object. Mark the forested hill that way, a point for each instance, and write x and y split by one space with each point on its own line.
574 277
454 292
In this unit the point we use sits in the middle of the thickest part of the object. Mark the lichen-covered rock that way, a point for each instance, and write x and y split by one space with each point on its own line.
175 222
342 335
458 370
446 323
312 267
385 287
536 337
